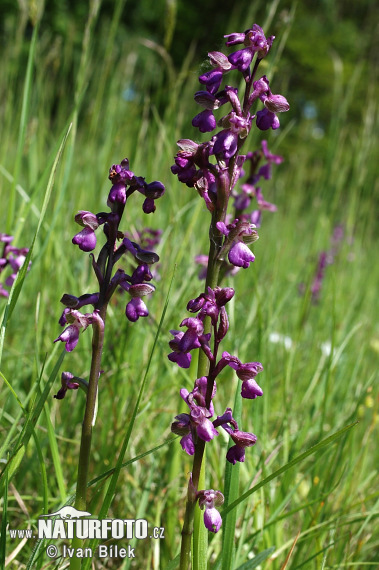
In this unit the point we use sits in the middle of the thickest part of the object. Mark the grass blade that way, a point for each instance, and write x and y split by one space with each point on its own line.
324 443
112 485
257 560
27 432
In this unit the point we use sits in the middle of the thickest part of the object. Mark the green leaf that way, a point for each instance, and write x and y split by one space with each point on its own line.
28 430
231 492
257 560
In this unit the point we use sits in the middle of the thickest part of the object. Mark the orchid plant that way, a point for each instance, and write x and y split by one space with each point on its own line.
214 168
136 284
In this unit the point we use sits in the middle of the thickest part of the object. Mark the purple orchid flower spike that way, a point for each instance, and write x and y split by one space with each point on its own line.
116 247
124 184
325 258
215 168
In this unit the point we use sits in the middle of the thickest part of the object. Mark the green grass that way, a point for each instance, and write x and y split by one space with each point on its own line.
326 505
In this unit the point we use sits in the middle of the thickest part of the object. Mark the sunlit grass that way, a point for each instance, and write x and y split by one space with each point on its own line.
316 383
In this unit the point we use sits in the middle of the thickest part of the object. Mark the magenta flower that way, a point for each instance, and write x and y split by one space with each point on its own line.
196 423
266 120
77 321
205 121
238 235
125 182
67 384
262 203
207 500
212 519
86 239
3 292
180 355
242 440
212 80
183 343
214 168
240 255
12 257
135 309
225 144
255 42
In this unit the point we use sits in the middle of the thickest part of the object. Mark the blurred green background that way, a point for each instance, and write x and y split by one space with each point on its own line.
124 74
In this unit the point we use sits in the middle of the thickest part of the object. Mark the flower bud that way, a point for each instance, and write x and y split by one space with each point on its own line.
219 59
276 103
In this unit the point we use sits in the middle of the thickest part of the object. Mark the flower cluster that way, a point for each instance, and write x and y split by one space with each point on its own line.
325 258
249 189
197 423
214 167
137 283
193 164
240 255
13 258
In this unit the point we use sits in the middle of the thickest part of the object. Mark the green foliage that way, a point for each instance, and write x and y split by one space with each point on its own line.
136 102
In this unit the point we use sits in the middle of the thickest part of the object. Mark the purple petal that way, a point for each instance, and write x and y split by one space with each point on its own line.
205 121
182 359
148 207
241 59
240 255
225 144
235 453
266 119
117 194
85 240
250 389
205 430
70 336
187 444
235 38
212 519
135 309
212 80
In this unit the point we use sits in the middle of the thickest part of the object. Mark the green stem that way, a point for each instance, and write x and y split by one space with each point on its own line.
87 426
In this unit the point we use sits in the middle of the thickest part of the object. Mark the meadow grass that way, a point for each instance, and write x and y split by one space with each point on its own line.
63 124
